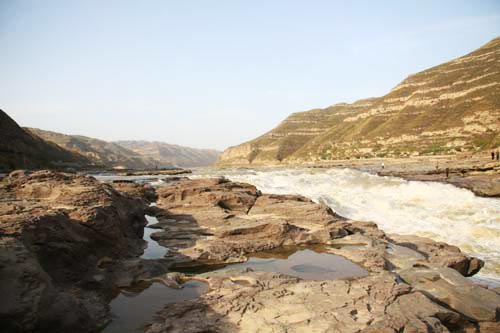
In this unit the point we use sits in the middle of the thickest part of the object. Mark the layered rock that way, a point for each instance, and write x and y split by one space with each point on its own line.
446 109
56 231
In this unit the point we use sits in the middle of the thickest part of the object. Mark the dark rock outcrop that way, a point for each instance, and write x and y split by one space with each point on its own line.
55 231
22 149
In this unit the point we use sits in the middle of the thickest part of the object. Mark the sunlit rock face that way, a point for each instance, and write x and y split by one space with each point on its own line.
450 108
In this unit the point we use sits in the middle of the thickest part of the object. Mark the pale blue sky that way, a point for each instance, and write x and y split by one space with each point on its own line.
211 74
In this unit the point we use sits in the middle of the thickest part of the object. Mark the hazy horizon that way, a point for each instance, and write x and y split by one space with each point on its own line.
213 75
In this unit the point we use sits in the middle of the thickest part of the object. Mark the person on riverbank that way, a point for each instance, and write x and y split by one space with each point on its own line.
447 172
382 165
492 155
498 155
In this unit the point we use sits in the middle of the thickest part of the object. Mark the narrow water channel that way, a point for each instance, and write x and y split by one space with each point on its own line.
135 307
153 250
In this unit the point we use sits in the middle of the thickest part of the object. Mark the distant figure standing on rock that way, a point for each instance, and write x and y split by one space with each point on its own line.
492 155
498 155
382 165
447 172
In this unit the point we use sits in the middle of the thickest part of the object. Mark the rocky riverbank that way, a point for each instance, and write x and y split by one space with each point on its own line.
477 173
69 241
414 284
155 172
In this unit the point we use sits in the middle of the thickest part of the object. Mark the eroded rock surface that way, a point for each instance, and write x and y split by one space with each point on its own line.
58 232
68 240
214 221
247 301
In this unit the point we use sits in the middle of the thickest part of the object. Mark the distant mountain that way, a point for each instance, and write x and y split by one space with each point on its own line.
100 152
130 154
168 154
450 108
20 149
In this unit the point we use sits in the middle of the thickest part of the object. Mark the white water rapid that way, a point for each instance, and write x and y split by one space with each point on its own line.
438 211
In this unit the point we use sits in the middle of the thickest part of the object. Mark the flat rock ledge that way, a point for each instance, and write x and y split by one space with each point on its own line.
414 284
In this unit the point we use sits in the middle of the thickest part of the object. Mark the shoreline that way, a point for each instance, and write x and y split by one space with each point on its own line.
477 173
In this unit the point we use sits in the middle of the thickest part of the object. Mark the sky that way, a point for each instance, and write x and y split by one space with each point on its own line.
212 74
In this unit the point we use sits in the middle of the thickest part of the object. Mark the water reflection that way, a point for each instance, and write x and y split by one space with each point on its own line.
307 264
134 307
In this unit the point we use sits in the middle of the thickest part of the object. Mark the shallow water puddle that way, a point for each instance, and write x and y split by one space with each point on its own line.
135 307
303 263
153 249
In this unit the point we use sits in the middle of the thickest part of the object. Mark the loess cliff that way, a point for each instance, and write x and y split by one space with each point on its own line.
447 109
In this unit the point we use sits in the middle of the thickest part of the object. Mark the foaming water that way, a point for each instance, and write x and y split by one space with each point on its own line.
439 211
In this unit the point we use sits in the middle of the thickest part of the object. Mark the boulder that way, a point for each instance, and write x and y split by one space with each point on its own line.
449 287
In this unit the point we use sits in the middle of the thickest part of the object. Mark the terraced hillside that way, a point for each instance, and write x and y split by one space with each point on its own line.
21 149
450 108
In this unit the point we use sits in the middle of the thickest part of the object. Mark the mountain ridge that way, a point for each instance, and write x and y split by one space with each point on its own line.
174 154
130 153
22 149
